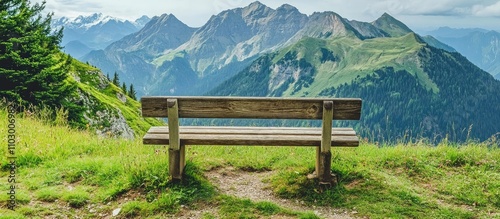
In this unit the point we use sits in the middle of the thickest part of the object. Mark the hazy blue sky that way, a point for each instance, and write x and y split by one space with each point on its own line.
418 15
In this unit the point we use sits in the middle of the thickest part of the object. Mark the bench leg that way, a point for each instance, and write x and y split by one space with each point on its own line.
323 166
177 162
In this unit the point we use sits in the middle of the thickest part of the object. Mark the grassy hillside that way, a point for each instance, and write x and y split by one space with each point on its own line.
108 110
67 173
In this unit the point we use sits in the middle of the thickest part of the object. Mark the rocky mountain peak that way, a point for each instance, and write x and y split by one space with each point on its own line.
255 6
287 7
168 19
142 21
88 19
163 32
391 25
164 24
325 25
256 10
367 30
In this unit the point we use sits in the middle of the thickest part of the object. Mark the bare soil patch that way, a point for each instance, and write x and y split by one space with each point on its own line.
252 185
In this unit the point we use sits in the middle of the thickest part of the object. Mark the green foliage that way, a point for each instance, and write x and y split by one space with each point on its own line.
116 80
131 92
76 198
31 70
49 194
124 88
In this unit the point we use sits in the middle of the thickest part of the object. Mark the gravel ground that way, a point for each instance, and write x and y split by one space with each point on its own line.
250 185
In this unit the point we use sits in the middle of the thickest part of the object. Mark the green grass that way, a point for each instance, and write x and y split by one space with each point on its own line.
64 173
48 194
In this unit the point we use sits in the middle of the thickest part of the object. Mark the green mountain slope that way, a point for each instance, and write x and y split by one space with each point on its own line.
326 63
107 109
409 88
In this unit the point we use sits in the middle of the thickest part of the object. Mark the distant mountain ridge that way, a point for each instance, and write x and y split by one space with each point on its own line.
225 45
96 31
480 46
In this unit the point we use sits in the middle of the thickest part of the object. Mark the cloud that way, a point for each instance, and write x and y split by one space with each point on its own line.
436 7
195 13
71 8
492 10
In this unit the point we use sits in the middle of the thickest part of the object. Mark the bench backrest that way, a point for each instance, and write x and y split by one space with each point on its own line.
251 107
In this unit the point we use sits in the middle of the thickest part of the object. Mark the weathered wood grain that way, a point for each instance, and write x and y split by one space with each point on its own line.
173 123
251 130
176 162
324 171
324 156
254 139
243 127
326 136
252 107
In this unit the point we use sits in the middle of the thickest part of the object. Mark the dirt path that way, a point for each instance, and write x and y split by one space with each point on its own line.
250 185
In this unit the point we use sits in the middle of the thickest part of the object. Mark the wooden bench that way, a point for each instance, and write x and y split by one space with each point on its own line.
177 137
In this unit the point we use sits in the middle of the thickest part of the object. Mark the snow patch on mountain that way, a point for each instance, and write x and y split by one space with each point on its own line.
86 22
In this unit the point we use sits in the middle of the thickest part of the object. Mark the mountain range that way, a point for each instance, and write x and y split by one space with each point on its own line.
167 56
86 33
480 46
412 85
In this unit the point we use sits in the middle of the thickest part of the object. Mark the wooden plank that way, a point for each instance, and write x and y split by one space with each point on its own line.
252 107
324 156
317 168
251 131
263 140
173 123
176 162
326 136
324 172
162 128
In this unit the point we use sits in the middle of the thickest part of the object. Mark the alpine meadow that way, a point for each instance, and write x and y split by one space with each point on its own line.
72 123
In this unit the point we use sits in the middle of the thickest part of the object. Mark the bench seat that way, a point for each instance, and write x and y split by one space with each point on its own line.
322 138
258 136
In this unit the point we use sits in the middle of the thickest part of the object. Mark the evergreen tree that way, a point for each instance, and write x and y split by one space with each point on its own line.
131 92
124 88
116 80
107 77
32 68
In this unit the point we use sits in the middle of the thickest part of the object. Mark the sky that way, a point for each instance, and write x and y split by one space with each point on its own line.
421 15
